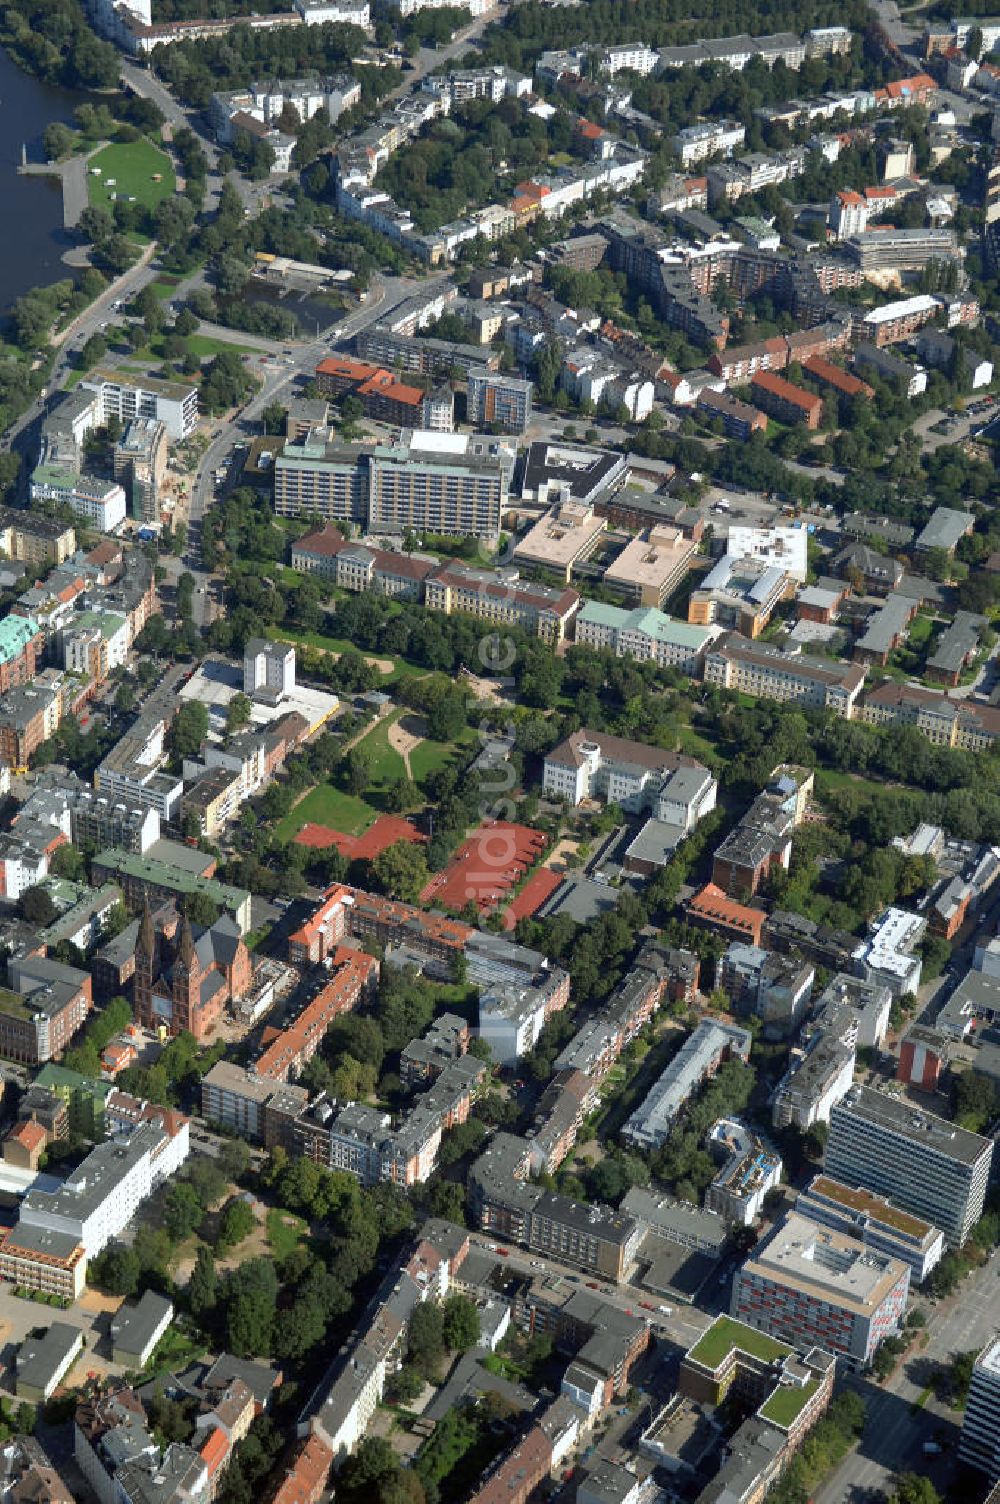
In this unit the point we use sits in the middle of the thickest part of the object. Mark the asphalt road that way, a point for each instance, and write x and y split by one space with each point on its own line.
896 1426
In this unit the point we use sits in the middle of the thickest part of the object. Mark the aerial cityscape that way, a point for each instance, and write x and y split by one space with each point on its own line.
499 752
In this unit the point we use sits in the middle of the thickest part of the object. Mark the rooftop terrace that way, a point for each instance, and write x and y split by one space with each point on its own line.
725 1334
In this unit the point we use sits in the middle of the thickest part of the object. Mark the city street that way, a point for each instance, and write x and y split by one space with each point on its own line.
897 1426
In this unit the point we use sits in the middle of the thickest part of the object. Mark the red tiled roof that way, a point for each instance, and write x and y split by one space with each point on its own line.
385 384
345 365
711 903
787 390
833 375
306 1478
326 541
31 1135
214 1450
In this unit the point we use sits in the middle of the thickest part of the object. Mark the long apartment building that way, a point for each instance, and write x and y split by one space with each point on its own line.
964 724
594 1237
427 482
57 1231
785 401
645 634
815 1287
699 1058
491 595
382 395
599 1041
34 539
773 674
901 250
354 973
922 1163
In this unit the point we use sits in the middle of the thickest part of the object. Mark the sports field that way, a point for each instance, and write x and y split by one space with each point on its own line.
328 806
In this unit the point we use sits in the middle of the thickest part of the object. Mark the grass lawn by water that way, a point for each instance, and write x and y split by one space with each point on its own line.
133 165
324 805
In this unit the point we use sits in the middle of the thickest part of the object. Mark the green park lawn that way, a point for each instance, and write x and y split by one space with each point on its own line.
426 758
387 765
401 669
325 805
284 1232
133 166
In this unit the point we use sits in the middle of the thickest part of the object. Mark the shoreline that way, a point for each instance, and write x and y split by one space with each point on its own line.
72 176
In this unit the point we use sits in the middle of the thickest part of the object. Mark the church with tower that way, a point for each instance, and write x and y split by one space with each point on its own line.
184 978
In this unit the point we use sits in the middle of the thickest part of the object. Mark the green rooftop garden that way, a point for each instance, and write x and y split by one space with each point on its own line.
786 1404
724 1334
13 1004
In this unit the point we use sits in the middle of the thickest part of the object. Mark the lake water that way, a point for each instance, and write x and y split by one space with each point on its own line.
32 239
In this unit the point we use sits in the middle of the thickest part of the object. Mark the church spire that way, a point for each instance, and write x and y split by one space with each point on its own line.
146 940
185 943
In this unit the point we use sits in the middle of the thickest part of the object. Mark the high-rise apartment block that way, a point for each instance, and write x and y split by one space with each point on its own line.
268 668
923 1163
439 483
496 401
425 482
979 1447
140 463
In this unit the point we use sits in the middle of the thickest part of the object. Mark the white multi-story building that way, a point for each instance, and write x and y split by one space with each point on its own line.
711 1044
267 102
783 547
125 396
886 955
593 765
132 773
511 1018
627 57
696 142
474 7
814 1083
334 13
102 1195
848 213
979 1447
101 502
268 668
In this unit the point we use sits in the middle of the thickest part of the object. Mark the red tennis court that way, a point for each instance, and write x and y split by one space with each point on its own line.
486 866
